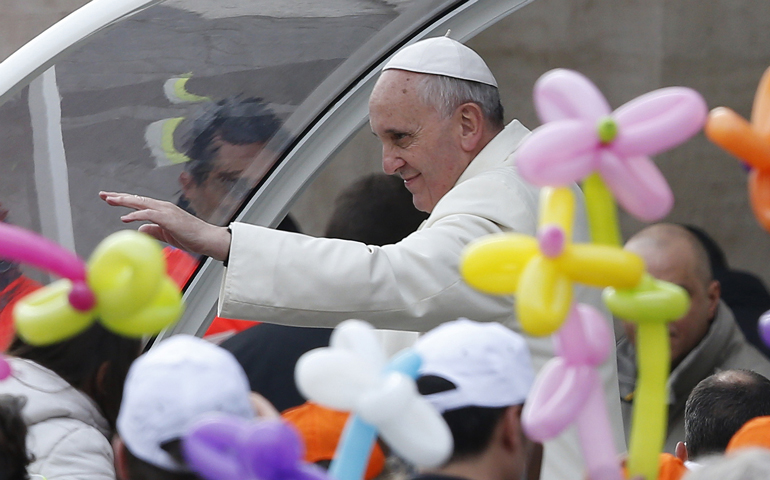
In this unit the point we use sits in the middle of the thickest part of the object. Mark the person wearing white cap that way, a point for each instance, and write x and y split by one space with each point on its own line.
436 109
167 389
478 376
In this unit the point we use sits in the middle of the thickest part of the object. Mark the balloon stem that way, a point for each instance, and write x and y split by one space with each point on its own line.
602 212
650 415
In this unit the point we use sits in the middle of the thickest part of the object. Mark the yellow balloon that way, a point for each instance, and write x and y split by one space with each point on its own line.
544 297
124 272
493 264
602 265
557 207
652 301
602 212
45 316
651 305
161 312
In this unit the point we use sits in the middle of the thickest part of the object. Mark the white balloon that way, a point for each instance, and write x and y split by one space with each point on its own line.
359 337
334 378
420 436
386 402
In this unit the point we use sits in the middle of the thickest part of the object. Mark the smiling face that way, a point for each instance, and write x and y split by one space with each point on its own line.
418 145
675 261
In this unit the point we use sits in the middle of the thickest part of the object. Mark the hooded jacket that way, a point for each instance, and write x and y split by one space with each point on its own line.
67 434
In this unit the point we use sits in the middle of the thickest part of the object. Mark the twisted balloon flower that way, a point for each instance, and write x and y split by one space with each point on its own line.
351 375
750 142
124 285
581 135
224 447
651 305
540 271
569 389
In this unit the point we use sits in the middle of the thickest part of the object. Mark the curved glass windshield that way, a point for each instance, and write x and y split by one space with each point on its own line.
189 101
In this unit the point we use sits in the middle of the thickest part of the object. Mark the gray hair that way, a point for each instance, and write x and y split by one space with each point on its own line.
445 94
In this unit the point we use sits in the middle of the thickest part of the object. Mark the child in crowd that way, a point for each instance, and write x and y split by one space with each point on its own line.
73 391
167 389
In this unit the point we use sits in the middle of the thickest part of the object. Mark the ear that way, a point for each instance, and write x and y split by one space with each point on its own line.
101 375
713 293
512 433
681 452
121 465
472 126
187 182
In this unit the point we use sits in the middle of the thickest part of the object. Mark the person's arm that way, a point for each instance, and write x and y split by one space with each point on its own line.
173 225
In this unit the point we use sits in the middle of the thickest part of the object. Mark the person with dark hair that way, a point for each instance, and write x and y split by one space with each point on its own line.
73 390
223 144
704 341
375 210
478 376
719 406
13 437
743 292
166 390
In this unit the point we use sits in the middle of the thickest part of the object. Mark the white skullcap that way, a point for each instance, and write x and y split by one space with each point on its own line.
489 364
442 56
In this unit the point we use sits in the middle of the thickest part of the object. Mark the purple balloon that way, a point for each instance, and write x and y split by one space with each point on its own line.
222 447
764 327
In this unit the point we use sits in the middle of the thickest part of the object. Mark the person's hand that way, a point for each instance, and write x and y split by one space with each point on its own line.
173 225
262 406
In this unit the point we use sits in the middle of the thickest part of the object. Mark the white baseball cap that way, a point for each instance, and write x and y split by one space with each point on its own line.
489 364
169 387
442 56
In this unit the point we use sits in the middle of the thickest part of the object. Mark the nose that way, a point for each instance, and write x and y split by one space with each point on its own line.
391 162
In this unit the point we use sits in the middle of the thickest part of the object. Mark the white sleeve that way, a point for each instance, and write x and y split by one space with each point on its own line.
295 279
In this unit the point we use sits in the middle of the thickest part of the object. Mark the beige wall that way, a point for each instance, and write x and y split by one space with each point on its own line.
720 48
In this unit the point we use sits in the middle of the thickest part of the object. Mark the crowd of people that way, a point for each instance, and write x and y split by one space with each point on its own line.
96 407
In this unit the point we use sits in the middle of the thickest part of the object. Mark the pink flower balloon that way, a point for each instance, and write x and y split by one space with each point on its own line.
581 135
569 389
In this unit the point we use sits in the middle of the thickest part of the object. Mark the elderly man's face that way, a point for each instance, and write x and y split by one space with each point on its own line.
417 144
676 264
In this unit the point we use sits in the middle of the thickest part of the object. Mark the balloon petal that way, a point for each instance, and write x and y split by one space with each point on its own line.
638 185
493 264
559 393
359 337
585 338
544 297
208 448
760 112
24 246
45 316
558 153
420 436
602 266
653 301
161 312
125 270
385 402
658 121
334 378
734 134
565 94
759 196
557 207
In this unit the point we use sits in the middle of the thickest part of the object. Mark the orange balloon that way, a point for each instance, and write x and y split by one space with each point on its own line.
751 143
